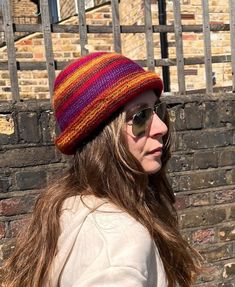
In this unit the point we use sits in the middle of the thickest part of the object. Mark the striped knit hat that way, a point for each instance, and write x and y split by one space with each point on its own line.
91 89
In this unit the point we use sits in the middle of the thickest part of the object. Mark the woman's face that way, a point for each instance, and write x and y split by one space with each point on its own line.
145 141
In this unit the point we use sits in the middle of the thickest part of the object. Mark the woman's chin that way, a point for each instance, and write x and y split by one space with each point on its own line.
152 168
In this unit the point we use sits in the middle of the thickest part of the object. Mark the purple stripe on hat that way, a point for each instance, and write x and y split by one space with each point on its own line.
84 80
108 79
74 66
81 84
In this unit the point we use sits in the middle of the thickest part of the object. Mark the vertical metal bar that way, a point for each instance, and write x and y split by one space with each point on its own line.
149 35
179 46
82 26
10 43
232 39
164 44
207 46
116 26
46 29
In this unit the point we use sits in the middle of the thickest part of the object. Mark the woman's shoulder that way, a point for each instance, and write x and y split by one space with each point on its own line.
96 236
126 239
110 233
78 208
113 226
105 216
114 222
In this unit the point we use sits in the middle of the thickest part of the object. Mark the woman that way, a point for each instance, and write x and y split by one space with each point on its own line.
110 221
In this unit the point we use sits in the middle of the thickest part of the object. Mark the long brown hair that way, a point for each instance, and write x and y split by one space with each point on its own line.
149 199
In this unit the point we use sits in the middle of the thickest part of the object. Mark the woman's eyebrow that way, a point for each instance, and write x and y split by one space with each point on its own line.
142 106
138 107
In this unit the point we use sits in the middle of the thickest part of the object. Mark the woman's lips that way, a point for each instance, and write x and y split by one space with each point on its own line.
156 151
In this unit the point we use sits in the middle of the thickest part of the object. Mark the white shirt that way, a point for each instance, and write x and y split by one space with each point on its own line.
103 246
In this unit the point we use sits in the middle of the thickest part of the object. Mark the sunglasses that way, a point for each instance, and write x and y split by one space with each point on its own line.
140 121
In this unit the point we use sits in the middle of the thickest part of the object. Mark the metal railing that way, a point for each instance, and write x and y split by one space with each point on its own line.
47 28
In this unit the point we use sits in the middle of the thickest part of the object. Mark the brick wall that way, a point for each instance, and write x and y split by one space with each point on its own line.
202 172
28 161
22 8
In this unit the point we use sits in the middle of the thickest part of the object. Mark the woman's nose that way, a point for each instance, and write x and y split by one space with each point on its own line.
157 127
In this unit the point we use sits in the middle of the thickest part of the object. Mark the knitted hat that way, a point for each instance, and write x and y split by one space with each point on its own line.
91 89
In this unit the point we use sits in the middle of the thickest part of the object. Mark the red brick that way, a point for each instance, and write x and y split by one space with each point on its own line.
216 23
27 42
38 55
224 196
203 236
189 37
190 72
187 16
9 206
182 202
17 205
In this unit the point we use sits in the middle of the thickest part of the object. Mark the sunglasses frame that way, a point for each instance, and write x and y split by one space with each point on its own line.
142 129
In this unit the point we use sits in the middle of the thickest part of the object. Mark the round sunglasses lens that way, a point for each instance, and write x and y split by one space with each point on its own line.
140 121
